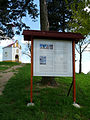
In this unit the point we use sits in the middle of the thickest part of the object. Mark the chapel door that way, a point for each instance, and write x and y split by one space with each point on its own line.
17 58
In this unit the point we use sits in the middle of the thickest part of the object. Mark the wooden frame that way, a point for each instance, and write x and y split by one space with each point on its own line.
31 69
74 82
29 35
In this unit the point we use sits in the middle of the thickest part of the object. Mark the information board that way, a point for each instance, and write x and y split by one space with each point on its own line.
52 57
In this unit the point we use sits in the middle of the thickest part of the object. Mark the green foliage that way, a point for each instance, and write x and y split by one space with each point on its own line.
59 14
88 73
50 103
80 21
3 68
69 15
12 11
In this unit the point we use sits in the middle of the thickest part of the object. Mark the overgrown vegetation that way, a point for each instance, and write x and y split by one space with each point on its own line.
51 103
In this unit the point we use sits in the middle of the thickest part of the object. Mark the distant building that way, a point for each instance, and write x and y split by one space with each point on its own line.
12 52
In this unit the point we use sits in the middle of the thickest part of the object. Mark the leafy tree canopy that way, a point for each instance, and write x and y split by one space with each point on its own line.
12 11
80 21
69 15
59 14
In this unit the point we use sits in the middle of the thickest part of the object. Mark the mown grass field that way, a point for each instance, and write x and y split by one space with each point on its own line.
6 65
51 103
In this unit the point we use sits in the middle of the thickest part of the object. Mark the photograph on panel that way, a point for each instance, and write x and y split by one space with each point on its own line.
42 60
44 46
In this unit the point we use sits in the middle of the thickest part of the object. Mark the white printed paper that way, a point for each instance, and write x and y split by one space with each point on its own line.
52 57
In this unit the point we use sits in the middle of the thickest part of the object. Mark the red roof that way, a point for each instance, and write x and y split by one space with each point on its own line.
28 34
10 44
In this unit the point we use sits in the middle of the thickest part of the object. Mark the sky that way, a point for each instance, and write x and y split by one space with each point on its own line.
33 26
36 26
85 61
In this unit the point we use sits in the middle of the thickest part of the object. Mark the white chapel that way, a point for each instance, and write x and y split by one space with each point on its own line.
12 52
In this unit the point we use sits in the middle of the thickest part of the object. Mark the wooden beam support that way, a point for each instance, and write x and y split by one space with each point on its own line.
31 69
74 82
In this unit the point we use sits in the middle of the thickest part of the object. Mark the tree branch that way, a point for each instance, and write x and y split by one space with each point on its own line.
77 50
85 47
27 54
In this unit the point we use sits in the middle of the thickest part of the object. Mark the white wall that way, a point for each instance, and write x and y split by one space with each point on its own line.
14 53
7 56
20 55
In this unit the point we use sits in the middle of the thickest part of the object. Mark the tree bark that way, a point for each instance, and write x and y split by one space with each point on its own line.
63 25
44 16
45 27
80 62
48 81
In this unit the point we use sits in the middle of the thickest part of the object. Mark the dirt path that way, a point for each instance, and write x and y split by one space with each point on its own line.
6 75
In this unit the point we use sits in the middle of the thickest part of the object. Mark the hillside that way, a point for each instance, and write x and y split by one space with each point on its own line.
51 103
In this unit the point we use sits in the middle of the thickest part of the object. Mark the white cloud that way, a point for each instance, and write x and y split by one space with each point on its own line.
25 59
86 66
20 39
4 43
17 37
85 62
87 8
87 48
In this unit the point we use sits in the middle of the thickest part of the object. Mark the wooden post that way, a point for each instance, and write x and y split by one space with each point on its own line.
31 69
74 82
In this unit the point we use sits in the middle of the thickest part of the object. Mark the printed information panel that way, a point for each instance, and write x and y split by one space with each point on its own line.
52 57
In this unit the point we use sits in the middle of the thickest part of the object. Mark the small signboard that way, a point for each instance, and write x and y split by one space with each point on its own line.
52 57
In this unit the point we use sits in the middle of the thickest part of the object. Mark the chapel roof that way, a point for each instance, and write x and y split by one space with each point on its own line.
10 45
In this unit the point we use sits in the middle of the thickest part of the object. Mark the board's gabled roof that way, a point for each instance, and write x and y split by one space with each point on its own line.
28 34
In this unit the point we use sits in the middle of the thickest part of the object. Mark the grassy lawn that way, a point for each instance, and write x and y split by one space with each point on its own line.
3 68
50 103
6 65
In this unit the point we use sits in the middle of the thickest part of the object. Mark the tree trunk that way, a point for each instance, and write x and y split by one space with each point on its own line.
80 62
44 16
45 27
63 25
48 81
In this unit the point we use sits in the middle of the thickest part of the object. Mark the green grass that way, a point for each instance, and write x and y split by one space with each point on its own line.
6 65
3 68
9 63
50 103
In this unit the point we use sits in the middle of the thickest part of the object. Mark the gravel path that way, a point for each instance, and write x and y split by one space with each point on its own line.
6 75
